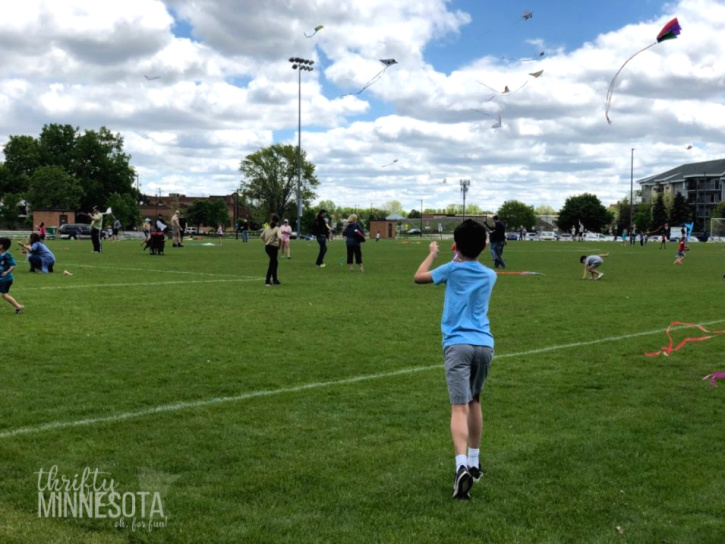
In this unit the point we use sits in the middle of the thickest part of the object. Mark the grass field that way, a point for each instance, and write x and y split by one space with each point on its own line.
317 411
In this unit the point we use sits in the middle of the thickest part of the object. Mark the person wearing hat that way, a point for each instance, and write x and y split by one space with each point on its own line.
96 226
285 232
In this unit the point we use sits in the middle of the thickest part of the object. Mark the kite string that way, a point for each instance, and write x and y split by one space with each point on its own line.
373 80
666 350
610 90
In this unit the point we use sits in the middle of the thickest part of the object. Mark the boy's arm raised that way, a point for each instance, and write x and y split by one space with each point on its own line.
423 274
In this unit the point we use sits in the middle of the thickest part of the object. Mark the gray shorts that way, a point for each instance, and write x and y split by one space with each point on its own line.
466 370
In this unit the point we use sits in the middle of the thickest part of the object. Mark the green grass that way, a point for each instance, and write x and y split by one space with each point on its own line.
580 439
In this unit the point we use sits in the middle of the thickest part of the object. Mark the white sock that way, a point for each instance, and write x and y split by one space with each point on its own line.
473 457
460 461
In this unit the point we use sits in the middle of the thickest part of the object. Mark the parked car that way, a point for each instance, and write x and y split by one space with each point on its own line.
512 236
532 236
596 237
414 232
565 237
690 241
75 231
548 235
191 231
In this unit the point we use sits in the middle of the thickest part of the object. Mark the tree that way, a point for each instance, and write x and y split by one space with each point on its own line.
659 213
270 178
207 212
681 212
394 206
53 187
642 216
544 209
414 214
95 159
515 213
9 210
125 209
586 208
622 221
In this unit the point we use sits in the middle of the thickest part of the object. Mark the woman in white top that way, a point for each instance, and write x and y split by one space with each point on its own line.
271 238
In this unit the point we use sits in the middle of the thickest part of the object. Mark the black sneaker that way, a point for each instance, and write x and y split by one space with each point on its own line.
475 472
275 282
462 484
19 311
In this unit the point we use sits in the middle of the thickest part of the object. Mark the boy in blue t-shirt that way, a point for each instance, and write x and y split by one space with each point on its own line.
467 344
7 265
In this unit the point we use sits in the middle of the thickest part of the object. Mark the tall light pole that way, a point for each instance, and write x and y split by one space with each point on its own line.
631 194
465 184
421 216
300 65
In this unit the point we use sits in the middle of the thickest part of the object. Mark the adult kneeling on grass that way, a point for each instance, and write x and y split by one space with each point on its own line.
39 256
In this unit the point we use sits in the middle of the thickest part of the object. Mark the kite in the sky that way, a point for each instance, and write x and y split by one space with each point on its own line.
497 124
670 348
506 89
151 78
387 63
317 29
526 16
537 57
689 147
669 32
688 229
389 164
714 377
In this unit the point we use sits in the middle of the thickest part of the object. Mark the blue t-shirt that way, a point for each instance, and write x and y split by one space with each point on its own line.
465 308
42 251
6 261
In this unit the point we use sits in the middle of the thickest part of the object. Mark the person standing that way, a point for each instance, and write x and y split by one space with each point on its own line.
115 229
96 226
467 344
7 265
220 233
176 229
245 230
681 248
39 256
665 235
42 231
377 237
320 229
285 232
354 236
271 238
498 239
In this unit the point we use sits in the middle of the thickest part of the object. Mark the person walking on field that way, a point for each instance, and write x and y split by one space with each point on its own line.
321 230
498 240
271 238
354 236
285 232
467 344
96 226
7 265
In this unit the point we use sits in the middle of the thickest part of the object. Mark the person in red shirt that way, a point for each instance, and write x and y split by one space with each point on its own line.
681 248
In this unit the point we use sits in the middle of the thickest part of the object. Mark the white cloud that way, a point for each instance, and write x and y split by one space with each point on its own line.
227 89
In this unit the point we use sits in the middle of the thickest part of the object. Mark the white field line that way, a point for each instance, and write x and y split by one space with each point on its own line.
154 270
177 406
145 284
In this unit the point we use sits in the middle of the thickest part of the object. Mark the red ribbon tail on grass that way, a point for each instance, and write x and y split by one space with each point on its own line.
667 350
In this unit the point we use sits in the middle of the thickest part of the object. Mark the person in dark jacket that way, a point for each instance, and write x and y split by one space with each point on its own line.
354 236
498 240
320 229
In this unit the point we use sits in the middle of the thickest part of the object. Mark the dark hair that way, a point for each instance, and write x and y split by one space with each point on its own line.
34 237
495 217
470 238
582 258
42 224
321 213
5 243
275 220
